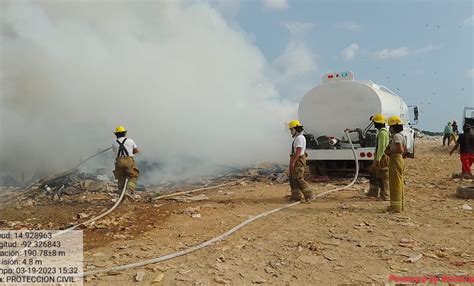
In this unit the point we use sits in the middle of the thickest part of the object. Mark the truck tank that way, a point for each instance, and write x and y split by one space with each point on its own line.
341 102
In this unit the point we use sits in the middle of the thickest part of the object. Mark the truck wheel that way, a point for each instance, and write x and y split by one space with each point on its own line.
465 192
317 168
313 169
322 168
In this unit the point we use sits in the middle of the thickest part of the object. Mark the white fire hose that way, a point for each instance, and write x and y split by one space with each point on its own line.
222 236
86 222
121 198
99 216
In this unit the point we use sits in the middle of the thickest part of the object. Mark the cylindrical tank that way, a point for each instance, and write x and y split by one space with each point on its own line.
333 106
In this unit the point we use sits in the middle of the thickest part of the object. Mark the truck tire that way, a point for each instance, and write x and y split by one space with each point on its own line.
317 168
313 169
466 192
322 168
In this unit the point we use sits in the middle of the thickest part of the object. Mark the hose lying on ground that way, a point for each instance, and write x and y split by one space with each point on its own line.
196 190
99 216
86 222
121 197
224 235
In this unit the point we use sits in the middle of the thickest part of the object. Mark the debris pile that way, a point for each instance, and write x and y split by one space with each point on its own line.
69 186
73 186
65 179
265 172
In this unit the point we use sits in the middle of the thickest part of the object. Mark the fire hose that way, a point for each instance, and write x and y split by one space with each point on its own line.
88 221
201 245
121 198
74 169
104 213
93 156
99 216
227 233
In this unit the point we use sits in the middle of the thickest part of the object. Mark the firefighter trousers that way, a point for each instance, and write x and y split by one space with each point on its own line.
395 173
298 184
379 179
126 167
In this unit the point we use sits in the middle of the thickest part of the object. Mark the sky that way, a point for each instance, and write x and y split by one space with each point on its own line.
423 50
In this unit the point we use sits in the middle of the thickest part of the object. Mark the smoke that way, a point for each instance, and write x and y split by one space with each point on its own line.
187 86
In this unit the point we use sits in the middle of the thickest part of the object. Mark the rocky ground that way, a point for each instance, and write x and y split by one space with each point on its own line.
344 238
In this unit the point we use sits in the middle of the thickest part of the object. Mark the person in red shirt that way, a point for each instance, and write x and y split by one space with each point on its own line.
465 143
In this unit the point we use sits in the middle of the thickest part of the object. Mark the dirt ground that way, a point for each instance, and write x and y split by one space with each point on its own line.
344 238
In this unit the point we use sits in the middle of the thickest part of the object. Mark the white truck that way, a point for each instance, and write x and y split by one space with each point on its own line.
341 102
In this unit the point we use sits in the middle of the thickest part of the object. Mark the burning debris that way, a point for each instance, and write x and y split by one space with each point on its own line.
64 180
89 194
74 186
67 187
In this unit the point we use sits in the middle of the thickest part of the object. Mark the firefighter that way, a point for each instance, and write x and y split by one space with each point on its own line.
396 150
125 148
379 169
298 163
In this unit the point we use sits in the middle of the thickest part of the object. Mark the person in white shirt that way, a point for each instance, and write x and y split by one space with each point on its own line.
125 166
298 163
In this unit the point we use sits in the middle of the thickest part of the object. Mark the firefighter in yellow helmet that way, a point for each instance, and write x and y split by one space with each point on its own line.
396 150
298 163
379 170
125 166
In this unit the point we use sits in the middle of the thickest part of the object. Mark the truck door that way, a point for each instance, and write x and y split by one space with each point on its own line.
468 116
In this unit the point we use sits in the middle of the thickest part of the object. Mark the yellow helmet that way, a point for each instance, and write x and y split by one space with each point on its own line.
294 123
120 128
394 120
378 118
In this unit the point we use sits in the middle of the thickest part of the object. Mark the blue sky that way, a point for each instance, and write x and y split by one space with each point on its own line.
422 50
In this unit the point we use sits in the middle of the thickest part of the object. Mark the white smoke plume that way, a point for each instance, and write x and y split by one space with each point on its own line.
175 74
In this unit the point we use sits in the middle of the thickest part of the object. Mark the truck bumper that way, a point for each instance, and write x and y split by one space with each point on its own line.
363 154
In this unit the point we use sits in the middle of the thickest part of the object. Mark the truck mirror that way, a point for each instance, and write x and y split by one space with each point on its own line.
414 121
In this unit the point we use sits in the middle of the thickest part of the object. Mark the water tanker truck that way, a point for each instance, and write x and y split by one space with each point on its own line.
341 102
